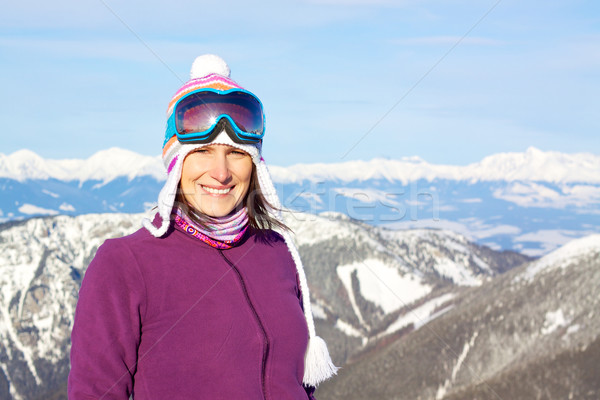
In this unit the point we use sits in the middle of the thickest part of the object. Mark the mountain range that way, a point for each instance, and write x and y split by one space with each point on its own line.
364 281
530 202
407 314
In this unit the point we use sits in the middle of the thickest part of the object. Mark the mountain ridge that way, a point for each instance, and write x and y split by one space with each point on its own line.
527 216
531 165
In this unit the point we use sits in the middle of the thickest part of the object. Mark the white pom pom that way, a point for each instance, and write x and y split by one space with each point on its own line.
317 363
209 64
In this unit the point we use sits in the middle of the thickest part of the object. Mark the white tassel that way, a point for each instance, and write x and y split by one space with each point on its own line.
318 366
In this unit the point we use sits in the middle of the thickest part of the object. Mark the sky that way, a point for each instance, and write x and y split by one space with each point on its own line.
449 81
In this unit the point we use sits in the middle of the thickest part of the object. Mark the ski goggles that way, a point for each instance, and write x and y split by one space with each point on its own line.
201 115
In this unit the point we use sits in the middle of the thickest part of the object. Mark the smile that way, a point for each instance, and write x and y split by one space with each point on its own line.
217 191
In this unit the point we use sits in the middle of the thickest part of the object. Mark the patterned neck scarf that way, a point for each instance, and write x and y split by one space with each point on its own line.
222 232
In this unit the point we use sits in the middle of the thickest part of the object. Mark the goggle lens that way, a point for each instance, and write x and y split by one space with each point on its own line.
198 114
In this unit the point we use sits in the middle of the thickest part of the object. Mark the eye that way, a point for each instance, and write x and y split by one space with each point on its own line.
239 153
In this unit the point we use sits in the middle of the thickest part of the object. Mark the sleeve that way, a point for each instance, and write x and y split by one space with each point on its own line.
107 326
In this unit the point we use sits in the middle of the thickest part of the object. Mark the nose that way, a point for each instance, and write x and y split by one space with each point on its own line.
220 166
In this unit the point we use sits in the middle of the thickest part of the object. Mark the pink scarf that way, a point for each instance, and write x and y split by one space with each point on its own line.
222 233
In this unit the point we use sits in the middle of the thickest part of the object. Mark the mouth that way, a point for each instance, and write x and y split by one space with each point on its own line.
216 191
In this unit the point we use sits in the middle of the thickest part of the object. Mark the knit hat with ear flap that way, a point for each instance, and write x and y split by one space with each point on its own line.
211 72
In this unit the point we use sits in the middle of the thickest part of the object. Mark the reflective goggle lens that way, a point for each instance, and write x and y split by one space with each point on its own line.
197 115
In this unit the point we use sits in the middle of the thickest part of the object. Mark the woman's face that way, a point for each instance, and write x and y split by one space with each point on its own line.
215 179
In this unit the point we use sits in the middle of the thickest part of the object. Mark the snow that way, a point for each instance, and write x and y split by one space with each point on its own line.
421 315
30 209
35 310
318 311
553 321
105 165
348 329
456 273
531 165
345 276
310 229
481 264
457 366
573 329
563 257
27 351
382 284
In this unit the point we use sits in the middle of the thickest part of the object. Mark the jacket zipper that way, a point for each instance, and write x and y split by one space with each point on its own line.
258 321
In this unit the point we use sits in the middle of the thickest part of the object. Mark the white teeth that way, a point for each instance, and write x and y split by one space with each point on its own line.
216 191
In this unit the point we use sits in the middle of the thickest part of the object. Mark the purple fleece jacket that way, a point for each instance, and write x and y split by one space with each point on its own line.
173 318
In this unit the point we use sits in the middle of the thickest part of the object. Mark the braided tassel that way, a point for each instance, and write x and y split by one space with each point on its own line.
318 365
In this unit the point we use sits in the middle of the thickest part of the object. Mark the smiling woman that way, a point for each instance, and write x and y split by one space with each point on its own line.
215 179
209 300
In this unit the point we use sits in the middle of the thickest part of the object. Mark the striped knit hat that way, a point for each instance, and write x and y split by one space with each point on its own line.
210 71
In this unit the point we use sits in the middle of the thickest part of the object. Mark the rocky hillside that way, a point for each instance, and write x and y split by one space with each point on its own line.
531 333
369 285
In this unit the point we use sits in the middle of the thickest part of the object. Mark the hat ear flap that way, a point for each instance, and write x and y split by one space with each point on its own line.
166 198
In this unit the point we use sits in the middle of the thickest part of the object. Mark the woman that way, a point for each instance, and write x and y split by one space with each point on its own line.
206 301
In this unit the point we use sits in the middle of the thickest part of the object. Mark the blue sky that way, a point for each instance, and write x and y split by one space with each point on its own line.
449 81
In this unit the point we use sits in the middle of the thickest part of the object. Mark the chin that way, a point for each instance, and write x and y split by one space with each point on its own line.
217 211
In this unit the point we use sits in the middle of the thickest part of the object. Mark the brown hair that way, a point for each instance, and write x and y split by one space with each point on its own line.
255 202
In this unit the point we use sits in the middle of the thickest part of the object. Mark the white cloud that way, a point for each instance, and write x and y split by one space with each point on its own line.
367 195
548 239
30 209
532 194
66 207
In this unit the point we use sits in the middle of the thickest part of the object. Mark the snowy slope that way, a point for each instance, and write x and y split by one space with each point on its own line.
563 257
531 333
374 277
41 265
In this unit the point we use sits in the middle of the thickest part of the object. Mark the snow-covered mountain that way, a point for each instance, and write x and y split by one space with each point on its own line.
104 166
530 202
531 333
532 165
367 284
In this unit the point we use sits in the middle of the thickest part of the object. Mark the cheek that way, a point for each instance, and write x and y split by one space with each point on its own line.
247 173
186 179
189 174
